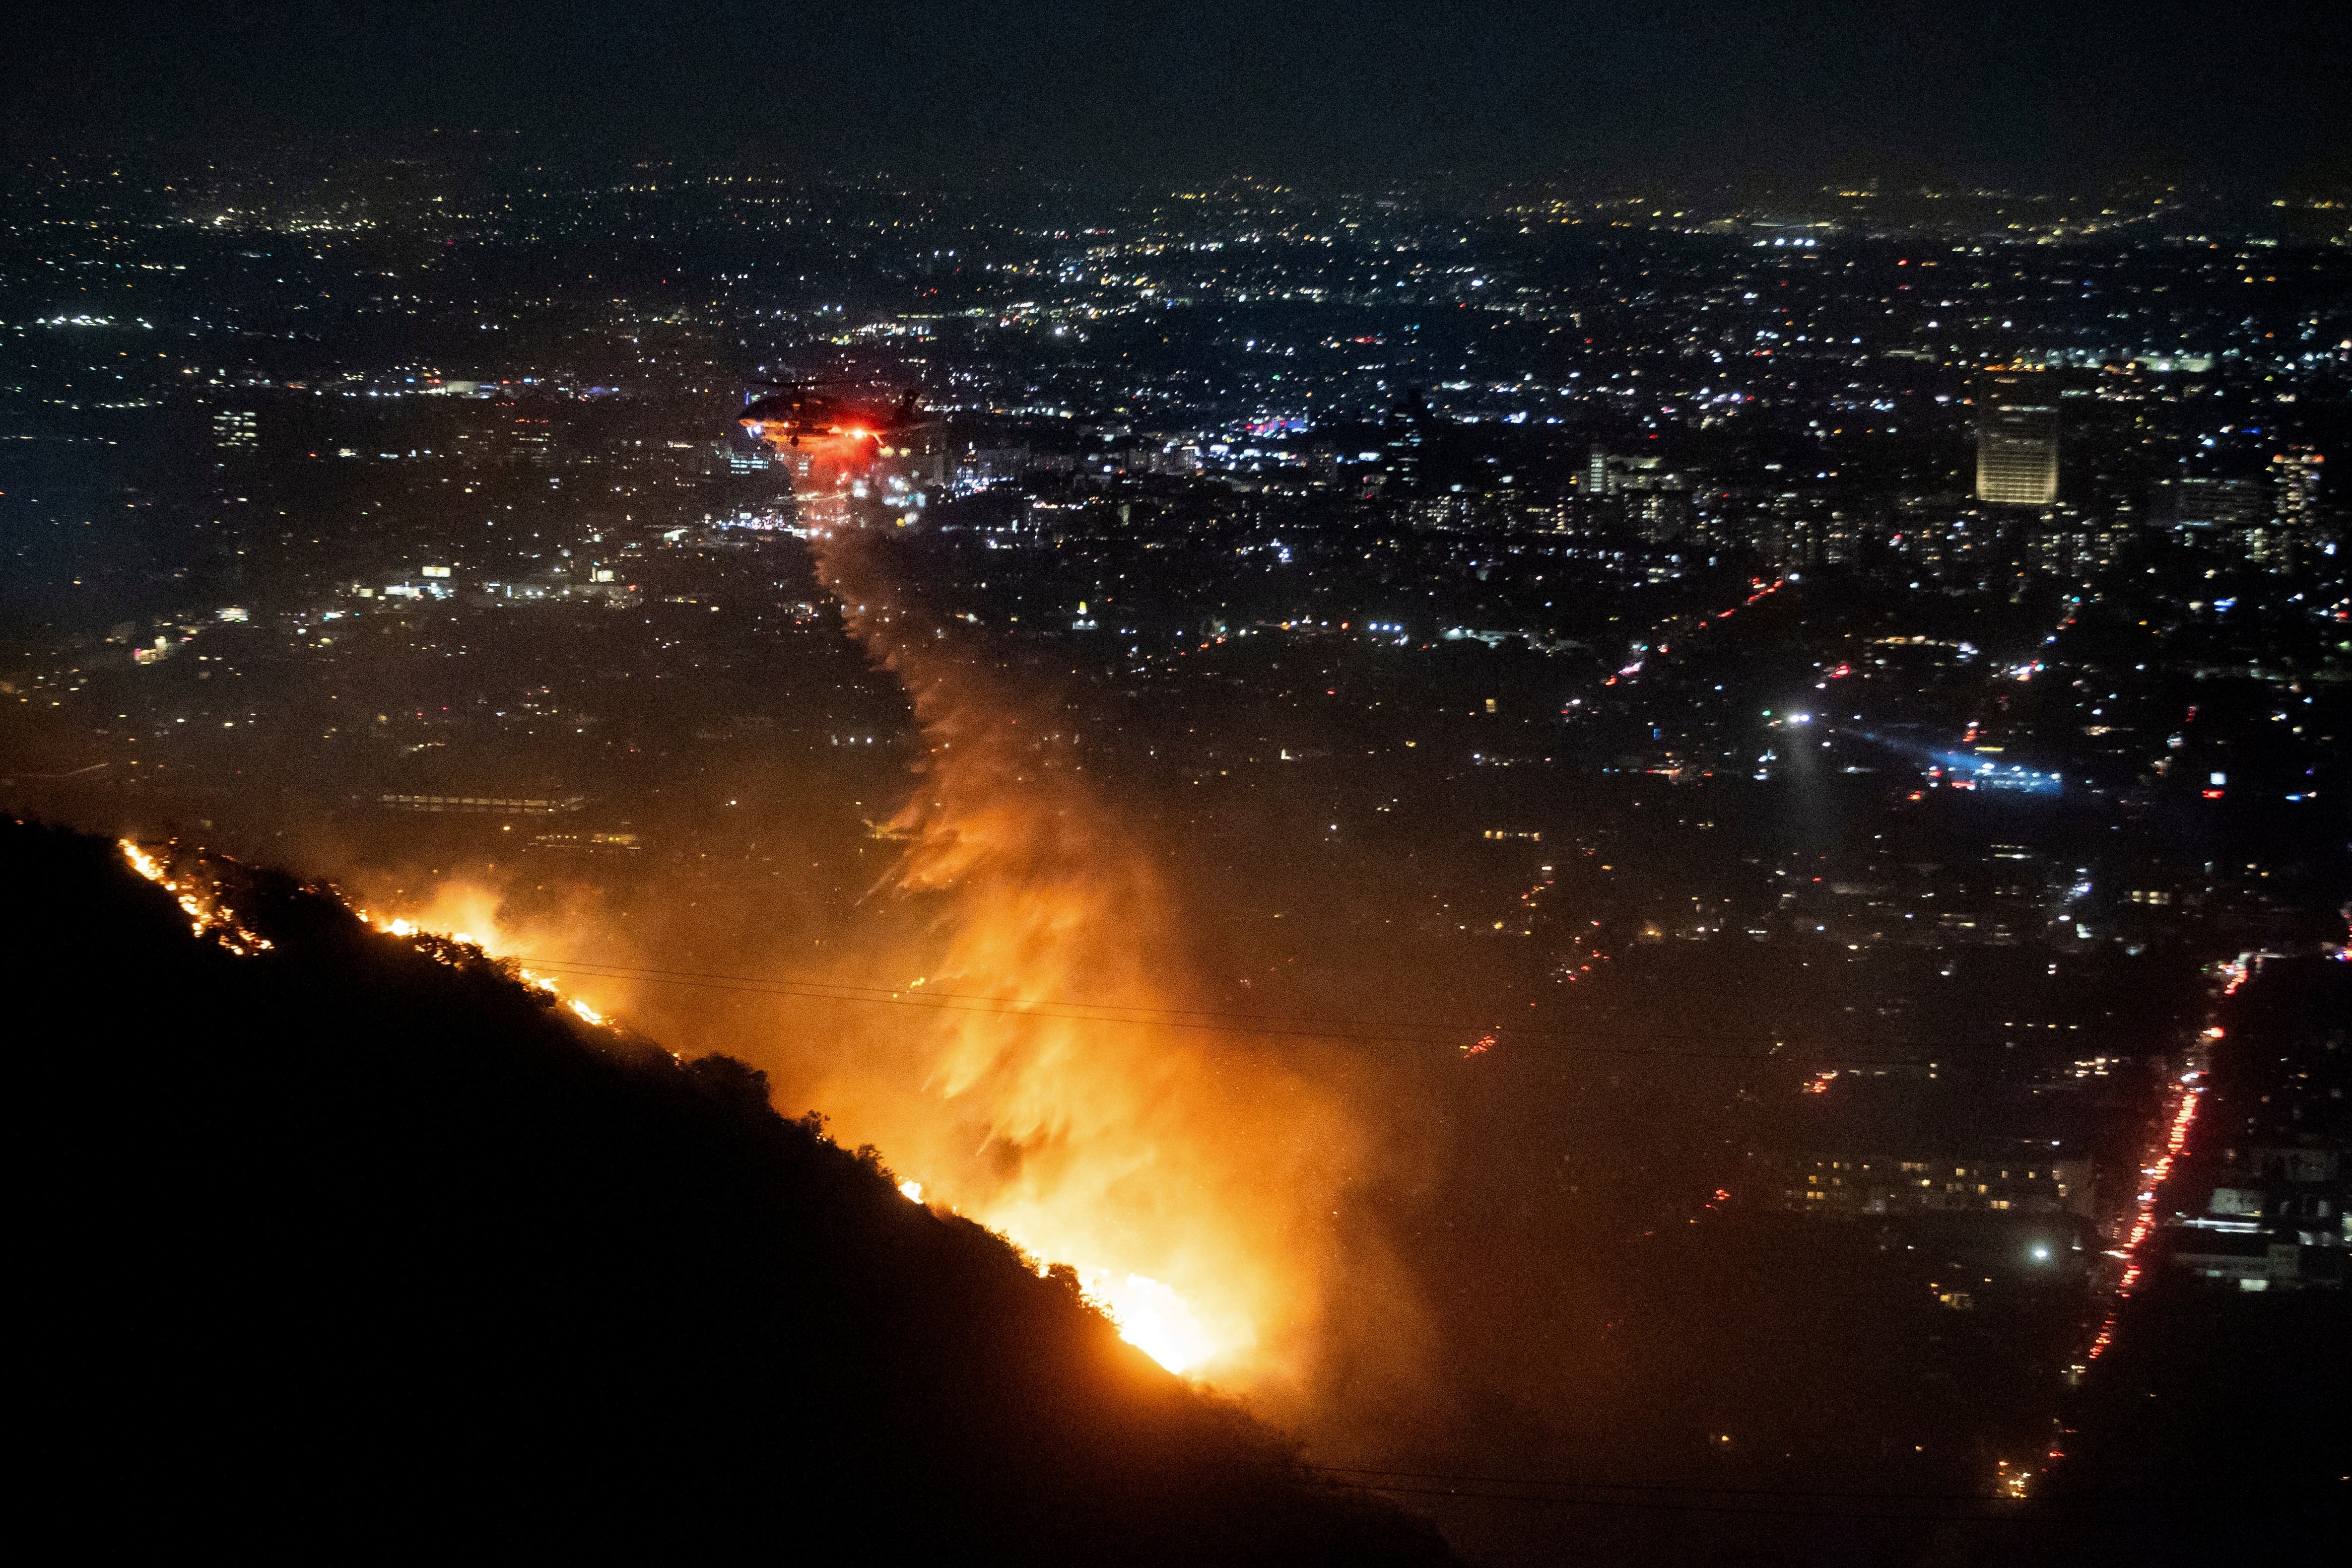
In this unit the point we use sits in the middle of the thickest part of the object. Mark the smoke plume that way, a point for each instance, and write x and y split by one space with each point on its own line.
1192 1180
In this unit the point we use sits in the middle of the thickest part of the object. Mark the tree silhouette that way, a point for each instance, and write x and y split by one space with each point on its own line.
350 1247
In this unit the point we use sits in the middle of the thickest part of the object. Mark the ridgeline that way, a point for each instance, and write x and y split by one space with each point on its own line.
352 1248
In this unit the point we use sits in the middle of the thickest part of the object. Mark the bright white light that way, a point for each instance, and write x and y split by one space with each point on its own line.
1152 1318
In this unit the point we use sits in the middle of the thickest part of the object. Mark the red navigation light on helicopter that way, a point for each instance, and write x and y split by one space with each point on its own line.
812 410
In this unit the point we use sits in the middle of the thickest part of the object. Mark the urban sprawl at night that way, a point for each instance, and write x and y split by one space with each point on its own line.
1657 865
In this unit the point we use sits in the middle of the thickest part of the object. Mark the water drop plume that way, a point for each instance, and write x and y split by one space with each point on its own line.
1193 1179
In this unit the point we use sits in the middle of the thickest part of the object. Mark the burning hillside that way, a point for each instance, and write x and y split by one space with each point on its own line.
1043 1074
356 1225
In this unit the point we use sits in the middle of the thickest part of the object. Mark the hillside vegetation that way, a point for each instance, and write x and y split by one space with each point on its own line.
351 1246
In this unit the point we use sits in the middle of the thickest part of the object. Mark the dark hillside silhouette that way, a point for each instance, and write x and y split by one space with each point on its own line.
343 1250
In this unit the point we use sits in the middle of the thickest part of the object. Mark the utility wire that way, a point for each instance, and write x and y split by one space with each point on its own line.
1655 1506
1286 1026
1536 1489
1291 1027
1691 1487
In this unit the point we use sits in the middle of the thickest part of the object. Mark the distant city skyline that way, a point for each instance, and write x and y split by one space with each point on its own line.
1682 831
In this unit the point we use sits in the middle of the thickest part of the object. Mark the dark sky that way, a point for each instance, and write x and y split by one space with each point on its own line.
2048 92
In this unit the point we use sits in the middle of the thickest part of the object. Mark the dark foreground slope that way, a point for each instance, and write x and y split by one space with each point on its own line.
342 1248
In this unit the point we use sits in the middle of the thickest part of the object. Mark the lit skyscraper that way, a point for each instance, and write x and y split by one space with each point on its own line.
2017 441
2295 476
2294 530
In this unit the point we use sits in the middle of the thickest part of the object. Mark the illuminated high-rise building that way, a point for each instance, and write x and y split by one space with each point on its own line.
2292 531
2017 440
2294 479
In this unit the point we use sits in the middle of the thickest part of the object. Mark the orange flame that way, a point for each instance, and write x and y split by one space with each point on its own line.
1195 1185
1190 1181
198 897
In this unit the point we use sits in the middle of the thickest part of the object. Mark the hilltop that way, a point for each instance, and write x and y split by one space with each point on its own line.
353 1245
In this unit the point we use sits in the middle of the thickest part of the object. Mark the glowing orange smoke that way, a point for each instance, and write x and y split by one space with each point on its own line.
473 913
1195 1184
1190 1182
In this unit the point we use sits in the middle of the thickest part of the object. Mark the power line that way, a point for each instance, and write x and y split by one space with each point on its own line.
1654 1505
1206 1020
1291 1026
1545 1489
1690 1487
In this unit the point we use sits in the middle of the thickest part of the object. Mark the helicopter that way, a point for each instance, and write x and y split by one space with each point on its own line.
816 410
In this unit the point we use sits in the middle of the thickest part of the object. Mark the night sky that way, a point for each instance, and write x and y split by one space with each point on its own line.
2022 91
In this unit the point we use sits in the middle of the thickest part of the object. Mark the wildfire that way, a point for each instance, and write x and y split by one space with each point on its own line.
458 915
200 901
207 915
1100 1131
1190 1184
1152 1318
1149 1313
